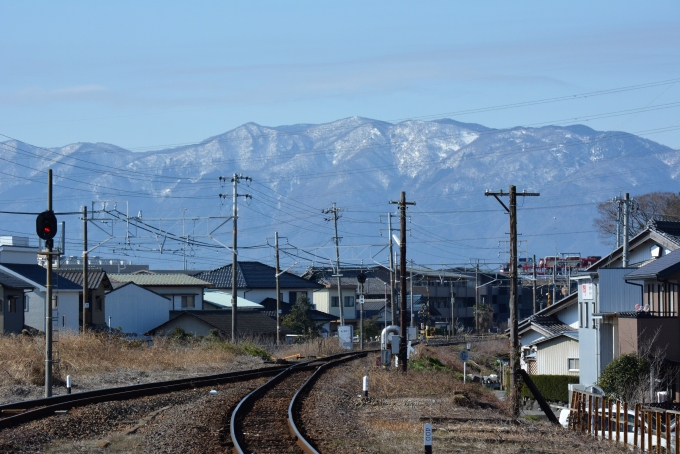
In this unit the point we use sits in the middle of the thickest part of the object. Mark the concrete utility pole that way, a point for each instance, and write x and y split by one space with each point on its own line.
392 263
626 230
514 325
236 179
402 279
85 269
278 292
335 210
411 323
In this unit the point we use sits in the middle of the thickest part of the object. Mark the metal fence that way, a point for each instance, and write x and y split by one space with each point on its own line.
650 429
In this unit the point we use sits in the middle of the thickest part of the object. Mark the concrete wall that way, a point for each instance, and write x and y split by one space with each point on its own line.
136 310
552 356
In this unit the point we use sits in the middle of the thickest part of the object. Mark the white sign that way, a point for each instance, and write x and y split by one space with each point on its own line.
587 291
345 335
427 438
361 299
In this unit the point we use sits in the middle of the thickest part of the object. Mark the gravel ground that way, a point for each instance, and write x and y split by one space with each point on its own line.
334 416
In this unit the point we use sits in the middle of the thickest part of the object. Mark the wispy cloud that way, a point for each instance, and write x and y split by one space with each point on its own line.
42 95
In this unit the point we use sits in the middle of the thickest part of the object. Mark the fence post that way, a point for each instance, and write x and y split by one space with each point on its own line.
603 419
596 414
609 422
658 431
590 413
618 420
649 429
636 425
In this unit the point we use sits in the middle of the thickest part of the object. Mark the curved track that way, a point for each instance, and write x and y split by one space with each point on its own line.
265 420
29 410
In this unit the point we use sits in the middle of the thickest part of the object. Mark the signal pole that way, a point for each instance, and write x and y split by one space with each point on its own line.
402 279
335 210
236 179
278 298
514 338
49 243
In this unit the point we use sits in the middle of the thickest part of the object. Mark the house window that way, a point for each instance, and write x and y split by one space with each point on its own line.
98 303
349 301
25 304
188 301
573 364
55 302
334 301
12 304
292 297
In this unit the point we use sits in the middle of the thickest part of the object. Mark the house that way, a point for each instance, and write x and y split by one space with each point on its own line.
609 298
257 281
251 324
549 339
218 300
322 319
98 284
185 292
12 303
66 308
653 328
135 309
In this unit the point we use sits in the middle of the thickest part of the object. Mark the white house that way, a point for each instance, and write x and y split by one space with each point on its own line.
184 291
135 309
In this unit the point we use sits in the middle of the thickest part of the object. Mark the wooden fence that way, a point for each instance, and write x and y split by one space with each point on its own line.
651 429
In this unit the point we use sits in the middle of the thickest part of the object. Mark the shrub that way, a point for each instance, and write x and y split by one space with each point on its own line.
626 378
554 388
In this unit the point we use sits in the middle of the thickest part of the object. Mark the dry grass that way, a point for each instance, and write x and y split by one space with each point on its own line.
22 357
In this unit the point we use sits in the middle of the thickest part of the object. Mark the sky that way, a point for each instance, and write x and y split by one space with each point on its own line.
150 75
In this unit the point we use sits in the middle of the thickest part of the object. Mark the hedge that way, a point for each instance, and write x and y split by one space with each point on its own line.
553 387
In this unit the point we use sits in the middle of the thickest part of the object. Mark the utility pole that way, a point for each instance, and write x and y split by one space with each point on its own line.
392 263
335 210
453 323
278 292
48 298
626 229
534 277
477 297
411 324
236 179
402 278
514 338
85 269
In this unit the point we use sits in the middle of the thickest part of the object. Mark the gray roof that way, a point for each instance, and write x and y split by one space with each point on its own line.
573 335
249 323
9 281
660 268
38 274
565 302
255 275
152 280
551 325
95 277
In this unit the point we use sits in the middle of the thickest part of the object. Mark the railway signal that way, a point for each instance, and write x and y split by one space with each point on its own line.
46 225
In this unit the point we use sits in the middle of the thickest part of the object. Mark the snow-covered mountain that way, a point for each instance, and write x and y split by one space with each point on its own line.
361 164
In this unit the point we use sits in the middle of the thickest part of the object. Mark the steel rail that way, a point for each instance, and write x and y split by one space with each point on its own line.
253 395
302 442
40 408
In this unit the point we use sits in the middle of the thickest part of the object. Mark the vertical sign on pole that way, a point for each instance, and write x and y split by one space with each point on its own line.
427 438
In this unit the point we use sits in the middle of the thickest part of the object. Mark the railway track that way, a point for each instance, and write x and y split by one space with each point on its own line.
266 421
21 412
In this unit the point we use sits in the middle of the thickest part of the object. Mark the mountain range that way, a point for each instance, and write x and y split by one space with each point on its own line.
361 164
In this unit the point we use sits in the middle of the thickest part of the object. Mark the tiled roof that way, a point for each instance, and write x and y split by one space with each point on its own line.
38 274
94 278
255 275
564 303
658 269
248 323
7 280
180 280
551 325
573 335
269 305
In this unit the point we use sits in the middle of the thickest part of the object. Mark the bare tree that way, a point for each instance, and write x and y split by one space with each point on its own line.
660 206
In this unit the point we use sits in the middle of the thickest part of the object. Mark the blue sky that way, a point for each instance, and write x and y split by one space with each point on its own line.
146 75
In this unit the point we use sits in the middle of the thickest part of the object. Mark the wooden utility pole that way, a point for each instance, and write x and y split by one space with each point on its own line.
402 279
477 297
514 325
